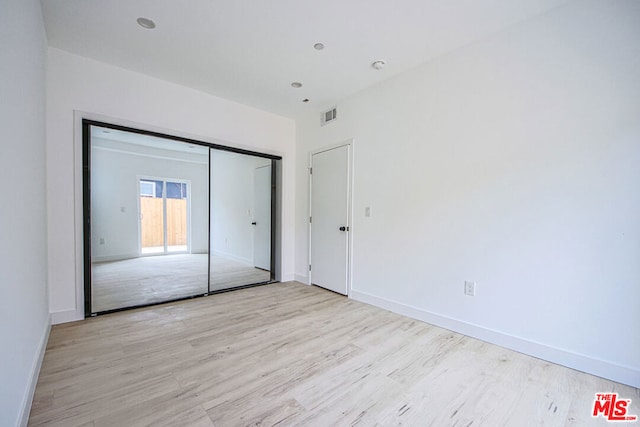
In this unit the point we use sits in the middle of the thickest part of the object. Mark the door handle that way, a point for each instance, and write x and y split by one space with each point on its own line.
343 228
253 223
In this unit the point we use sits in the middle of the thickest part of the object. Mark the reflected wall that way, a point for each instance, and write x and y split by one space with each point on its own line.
240 220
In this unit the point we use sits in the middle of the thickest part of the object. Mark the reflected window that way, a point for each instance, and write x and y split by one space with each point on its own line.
147 188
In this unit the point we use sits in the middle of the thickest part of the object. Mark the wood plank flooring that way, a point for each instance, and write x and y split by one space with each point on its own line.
291 354
153 279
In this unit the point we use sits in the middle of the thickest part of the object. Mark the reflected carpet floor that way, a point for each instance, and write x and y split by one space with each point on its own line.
153 279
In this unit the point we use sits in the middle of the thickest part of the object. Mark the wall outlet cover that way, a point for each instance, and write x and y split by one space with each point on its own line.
469 288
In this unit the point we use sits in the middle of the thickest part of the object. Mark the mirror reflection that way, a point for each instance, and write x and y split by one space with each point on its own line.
149 219
240 220
171 219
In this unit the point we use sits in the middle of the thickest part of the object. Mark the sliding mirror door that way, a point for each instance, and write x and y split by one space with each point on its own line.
241 220
149 219
168 218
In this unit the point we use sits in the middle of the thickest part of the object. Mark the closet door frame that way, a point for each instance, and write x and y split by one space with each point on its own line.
86 125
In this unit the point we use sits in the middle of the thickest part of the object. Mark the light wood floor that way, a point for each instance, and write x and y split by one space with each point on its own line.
153 279
290 354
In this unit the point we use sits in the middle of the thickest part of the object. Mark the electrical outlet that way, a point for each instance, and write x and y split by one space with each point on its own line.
102 242
469 288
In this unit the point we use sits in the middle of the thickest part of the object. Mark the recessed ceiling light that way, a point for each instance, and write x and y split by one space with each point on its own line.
296 85
146 23
379 65
318 46
305 100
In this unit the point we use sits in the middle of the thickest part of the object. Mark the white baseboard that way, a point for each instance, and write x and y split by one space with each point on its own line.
601 368
302 279
66 316
110 258
233 257
27 400
287 278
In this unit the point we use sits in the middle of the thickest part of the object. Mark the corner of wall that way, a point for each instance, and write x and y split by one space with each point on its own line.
66 316
301 278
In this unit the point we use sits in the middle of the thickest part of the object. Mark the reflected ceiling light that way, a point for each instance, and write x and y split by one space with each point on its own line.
318 46
379 64
296 85
146 23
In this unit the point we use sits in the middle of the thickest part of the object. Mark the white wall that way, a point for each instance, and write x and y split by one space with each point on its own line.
114 189
24 314
514 163
232 204
79 84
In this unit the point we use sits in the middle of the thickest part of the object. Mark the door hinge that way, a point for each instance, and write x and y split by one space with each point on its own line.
309 267
310 220
310 171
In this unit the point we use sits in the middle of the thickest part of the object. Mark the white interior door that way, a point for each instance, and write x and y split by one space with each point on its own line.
329 219
262 218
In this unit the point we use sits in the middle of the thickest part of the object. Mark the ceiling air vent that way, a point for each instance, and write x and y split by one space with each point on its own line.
329 116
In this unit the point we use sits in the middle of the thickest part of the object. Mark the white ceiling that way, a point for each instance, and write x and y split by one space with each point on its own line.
250 51
130 139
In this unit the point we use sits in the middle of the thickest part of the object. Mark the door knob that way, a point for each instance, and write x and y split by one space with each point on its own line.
253 223
343 228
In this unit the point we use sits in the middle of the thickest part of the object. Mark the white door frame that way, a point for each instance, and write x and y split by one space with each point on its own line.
350 144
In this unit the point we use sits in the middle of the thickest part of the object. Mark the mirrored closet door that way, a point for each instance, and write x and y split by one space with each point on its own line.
167 219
